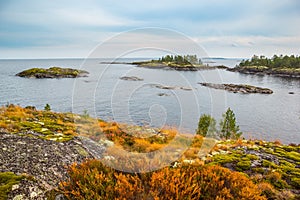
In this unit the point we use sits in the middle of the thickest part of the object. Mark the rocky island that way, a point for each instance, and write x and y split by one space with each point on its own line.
281 66
240 88
177 62
52 72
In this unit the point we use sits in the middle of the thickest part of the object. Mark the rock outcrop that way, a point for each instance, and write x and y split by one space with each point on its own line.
44 160
241 88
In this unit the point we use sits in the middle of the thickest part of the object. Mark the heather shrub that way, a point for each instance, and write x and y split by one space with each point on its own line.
93 180
89 180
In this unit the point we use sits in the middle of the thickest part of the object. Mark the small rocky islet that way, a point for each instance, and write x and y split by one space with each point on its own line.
238 88
52 72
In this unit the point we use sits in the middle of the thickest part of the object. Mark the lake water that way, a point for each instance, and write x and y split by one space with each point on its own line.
104 95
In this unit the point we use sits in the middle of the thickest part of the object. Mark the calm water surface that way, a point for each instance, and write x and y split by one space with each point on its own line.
104 95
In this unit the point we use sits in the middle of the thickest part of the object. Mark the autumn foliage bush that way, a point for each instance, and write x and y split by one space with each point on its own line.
93 180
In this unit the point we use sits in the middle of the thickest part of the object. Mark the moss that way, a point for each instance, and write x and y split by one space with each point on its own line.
285 152
287 164
7 180
243 165
47 124
252 157
296 182
293 155
291 148
288 169
269 164
226 158
259 170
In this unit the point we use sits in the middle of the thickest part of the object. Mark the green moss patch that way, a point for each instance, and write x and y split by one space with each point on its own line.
7 180
243 165
275 163
41 124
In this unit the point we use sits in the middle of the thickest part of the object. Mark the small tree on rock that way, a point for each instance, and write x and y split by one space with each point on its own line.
47 107
229 129
206 125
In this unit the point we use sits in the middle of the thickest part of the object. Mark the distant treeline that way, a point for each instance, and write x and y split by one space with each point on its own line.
274 62
180 60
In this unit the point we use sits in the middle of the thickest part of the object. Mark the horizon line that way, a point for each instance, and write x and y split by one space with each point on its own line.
62 58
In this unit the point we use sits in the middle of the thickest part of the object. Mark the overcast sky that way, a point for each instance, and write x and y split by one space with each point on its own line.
223 28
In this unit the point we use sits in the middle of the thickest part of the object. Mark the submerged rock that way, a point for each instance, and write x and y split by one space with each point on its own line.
167 87
162 94
131 78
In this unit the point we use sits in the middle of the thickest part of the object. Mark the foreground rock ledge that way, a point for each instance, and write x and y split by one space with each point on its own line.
44 160
53 72
240 88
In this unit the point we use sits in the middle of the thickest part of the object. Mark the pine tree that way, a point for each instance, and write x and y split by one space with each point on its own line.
206 125
47 107
229 129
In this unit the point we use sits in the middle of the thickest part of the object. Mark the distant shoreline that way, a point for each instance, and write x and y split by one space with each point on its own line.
169 66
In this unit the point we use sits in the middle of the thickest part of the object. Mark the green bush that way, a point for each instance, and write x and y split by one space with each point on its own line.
47 107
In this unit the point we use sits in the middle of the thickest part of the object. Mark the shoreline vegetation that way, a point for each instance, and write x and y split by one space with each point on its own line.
52 72
282 66
37 145
170 62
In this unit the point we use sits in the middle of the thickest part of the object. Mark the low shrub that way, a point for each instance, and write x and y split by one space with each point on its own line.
93 180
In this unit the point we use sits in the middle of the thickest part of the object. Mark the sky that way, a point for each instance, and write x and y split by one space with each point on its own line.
222 28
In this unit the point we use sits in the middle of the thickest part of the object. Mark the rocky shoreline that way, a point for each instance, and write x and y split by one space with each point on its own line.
52 72
261 70
241 88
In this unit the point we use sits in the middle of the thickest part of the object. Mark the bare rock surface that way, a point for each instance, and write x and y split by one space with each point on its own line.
44 161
